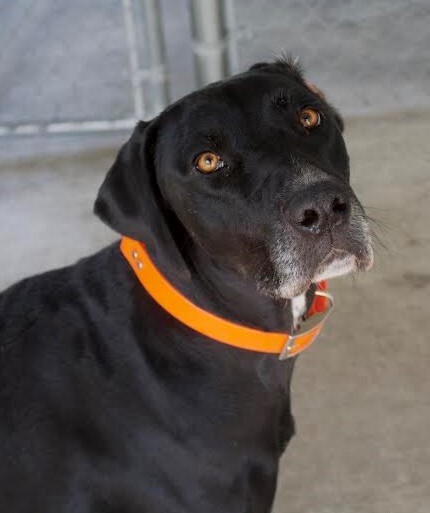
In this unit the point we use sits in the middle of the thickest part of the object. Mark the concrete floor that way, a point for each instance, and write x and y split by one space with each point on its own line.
361 395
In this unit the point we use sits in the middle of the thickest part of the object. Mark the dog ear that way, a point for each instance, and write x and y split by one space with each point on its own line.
316 90
259 65
130 202
337 117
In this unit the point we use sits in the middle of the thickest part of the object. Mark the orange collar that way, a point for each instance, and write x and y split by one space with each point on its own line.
220 329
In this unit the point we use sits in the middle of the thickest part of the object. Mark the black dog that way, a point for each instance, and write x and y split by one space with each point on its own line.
109 404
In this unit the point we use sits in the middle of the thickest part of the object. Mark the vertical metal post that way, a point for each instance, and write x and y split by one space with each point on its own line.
147 56
133 56
230 16
210 40
154 65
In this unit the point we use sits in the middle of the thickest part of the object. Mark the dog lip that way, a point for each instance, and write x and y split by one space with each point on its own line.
332 255
344 261
362 261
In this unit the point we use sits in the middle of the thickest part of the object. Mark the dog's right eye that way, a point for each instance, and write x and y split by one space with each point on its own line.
208 162
309 117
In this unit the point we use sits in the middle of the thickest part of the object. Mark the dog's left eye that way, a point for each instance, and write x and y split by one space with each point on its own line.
208 162
309 117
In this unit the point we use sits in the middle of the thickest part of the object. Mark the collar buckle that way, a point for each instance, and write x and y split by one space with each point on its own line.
309 329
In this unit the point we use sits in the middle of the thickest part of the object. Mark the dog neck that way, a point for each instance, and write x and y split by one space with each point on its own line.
225 293
216 327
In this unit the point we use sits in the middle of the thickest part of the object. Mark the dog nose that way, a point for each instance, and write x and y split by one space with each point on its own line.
319 208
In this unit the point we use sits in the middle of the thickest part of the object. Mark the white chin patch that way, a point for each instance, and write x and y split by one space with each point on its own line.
298 308
345 264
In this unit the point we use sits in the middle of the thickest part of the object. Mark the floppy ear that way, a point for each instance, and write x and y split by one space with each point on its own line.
130 202
259 65
316 90
337 117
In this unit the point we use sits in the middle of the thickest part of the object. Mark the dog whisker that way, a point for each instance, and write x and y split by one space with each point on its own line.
368 207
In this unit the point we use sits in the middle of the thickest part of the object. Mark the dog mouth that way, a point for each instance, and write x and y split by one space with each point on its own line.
339 262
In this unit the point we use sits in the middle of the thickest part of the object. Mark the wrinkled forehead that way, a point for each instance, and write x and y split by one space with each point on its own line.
247 96
244 101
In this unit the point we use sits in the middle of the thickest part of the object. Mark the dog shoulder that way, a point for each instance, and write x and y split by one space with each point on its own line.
53 304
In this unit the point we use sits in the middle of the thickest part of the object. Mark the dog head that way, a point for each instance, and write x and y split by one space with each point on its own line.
252 170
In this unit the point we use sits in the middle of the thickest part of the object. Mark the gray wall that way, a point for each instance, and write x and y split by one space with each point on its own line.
368 55
62 60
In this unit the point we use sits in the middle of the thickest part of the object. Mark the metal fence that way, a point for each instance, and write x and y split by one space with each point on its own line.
144 39
98 66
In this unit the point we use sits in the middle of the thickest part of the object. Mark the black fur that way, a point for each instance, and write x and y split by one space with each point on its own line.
108 404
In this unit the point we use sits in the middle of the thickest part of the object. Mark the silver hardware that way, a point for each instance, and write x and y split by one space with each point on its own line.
139 265
290 344
308 325
135 254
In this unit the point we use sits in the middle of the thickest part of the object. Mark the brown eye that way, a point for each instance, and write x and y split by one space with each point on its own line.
208 162
309 118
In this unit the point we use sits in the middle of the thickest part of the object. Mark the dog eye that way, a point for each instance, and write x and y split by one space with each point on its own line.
309 118
208 162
